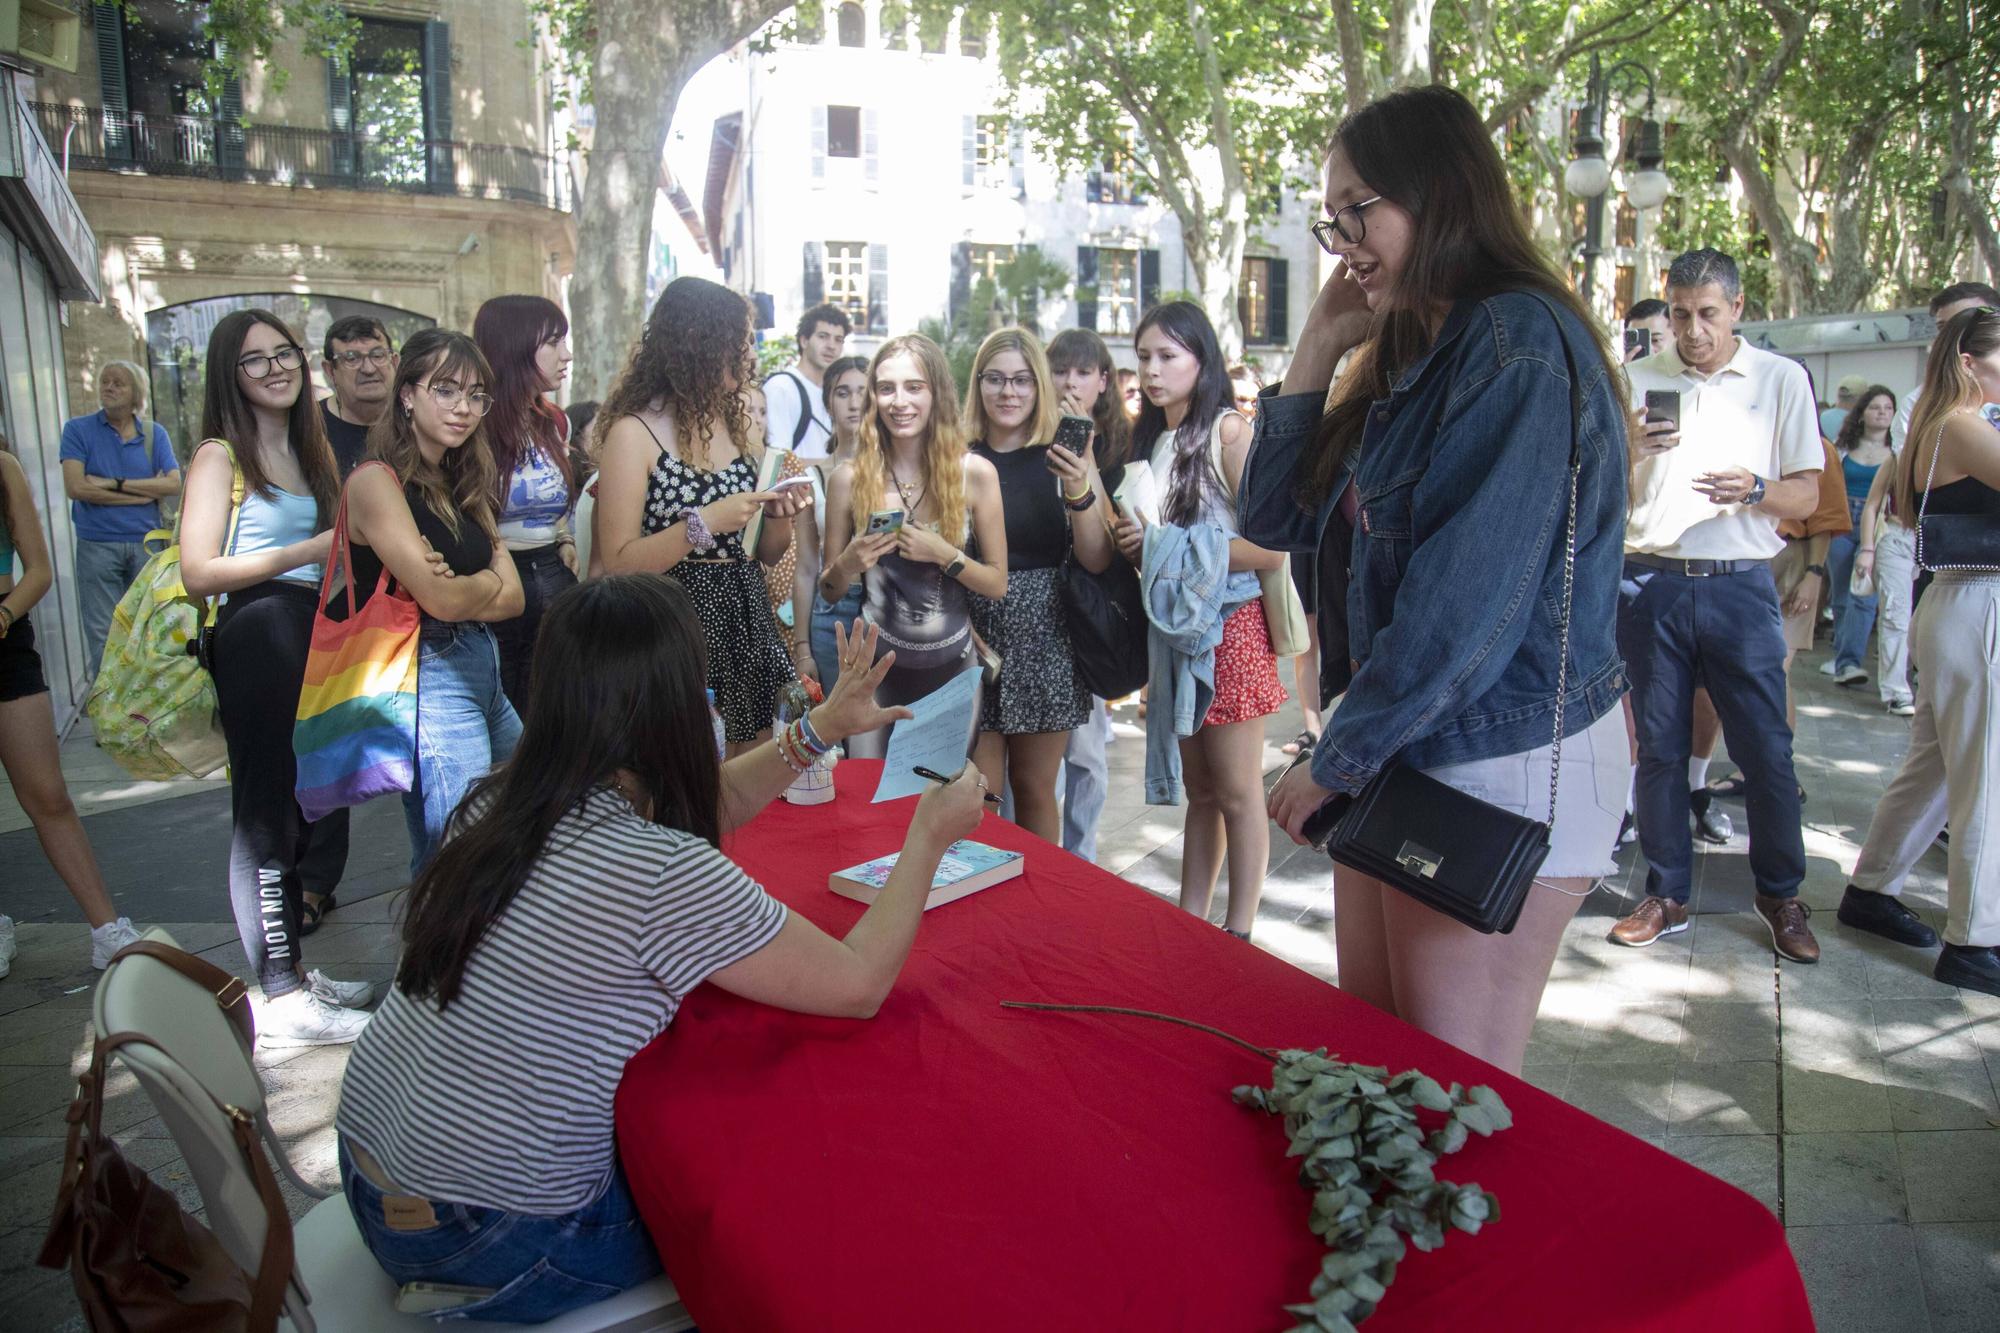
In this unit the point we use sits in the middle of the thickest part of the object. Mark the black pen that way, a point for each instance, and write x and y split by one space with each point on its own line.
923 772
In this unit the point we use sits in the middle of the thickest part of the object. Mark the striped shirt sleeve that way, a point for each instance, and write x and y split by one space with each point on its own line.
704 913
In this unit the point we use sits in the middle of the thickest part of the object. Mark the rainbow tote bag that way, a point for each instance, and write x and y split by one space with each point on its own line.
356 732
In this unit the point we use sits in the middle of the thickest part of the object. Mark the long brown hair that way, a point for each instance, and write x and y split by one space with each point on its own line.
1082 349
692 358
943 449
511 330
1948 387
1427 151
1851 428
620 669
227 415
461 487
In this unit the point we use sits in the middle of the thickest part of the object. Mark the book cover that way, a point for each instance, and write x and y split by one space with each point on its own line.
966 868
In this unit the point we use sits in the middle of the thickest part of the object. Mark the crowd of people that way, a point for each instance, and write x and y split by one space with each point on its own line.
1654 534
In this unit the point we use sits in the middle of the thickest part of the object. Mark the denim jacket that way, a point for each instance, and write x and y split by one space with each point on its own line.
1455 593
1185 583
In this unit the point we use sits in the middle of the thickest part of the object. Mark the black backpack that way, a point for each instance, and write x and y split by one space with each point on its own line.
1107 627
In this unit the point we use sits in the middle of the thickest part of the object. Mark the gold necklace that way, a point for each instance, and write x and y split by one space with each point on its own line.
909 505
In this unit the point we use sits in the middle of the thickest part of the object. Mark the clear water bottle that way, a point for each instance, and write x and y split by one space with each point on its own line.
715 721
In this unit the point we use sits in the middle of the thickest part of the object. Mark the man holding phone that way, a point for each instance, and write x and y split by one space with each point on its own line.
1648 331
1729 449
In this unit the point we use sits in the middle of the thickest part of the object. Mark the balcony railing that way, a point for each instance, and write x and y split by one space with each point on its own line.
90 139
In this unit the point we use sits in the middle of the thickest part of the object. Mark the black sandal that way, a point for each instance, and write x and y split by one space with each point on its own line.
1730 786
311 912
1299 744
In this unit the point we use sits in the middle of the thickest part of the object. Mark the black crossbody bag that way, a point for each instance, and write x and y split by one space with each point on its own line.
1455 853
1965 543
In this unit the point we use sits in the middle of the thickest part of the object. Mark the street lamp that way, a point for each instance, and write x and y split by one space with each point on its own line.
1588 175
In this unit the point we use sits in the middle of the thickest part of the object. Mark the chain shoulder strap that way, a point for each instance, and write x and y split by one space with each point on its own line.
1924 501
1569 556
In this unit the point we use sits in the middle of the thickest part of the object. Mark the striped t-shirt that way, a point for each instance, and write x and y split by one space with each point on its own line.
503 1100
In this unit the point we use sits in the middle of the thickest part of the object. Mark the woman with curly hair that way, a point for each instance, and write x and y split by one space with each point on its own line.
423 507
912 468
679 484
526 340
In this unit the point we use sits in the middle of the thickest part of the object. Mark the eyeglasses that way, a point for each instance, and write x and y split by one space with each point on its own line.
449 395
257 365
374 356
1349 223
999 383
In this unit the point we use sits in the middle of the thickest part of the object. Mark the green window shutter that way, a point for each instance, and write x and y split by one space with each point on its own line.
1149 280
1278 306
109 24
814 285
229 126
437 107
961 281
340 117
1086 287
878 289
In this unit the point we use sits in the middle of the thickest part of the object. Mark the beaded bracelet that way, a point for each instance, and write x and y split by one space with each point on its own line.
790 749
811 735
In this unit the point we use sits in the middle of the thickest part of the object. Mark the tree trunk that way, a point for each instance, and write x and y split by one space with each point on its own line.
1220 258
646 52
1407 48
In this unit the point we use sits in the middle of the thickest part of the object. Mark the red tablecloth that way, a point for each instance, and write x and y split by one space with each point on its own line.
955 1165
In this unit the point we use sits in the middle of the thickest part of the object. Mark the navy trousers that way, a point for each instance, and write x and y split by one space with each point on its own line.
1723 631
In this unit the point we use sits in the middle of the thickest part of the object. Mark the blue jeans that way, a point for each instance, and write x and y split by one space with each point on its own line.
104 570
1084 784
1725 632
464 727
541 1267
1853 617
824 618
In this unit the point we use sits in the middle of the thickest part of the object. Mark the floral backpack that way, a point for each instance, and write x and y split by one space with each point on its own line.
153 703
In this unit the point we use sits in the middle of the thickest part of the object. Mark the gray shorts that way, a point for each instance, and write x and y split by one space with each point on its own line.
1590 798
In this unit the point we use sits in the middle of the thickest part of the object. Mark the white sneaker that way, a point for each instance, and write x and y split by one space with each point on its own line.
1903 707
1827 668
346 994
303 1018
1851 675
8 948
106 940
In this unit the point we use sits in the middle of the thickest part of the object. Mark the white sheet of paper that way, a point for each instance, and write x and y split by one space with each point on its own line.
1138 492
935 738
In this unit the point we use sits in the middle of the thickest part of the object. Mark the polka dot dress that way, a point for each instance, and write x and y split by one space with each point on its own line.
747 662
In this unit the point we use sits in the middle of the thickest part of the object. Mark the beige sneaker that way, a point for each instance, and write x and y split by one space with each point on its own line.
1649 920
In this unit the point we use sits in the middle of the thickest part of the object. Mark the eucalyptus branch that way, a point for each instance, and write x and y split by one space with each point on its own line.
1269 1053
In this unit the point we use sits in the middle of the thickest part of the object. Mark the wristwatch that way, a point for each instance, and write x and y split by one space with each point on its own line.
956 567
1756 494
118 484
1816 569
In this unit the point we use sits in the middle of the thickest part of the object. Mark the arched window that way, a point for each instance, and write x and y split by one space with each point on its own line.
853 25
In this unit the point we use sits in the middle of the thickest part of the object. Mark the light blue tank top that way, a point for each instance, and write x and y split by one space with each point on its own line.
278 519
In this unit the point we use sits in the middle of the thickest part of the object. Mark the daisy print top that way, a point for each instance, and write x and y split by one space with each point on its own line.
674 486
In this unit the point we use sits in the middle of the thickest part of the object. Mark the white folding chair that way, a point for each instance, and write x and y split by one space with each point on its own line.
191 1065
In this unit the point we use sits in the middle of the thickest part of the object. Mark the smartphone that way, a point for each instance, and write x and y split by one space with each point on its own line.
791 481
1638 343
1073 433
436 1297
1664 405
884 520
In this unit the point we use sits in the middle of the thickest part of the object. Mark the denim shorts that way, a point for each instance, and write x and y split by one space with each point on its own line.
540 1267
1590 798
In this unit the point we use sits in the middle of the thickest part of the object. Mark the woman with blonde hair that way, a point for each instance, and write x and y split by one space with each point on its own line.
431 517
1051 500
1949 466
679 485
902 514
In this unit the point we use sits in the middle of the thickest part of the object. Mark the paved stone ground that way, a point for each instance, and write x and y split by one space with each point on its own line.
1855 1098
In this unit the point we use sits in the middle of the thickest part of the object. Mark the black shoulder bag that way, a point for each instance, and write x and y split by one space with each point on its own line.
1966 543
1455 853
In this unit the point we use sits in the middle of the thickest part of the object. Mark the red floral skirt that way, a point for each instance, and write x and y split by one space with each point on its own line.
1246 670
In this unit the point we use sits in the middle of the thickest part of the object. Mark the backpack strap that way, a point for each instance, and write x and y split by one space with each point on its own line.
211 606
805 425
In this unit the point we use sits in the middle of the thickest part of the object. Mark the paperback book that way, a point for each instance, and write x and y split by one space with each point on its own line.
966 868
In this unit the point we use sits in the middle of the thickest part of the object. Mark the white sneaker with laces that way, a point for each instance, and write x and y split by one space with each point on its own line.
346 994
8 948
1852 675
106 940
1903 707
305 1018
1827 668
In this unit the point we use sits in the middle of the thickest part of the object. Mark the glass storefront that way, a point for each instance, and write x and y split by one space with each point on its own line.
177 346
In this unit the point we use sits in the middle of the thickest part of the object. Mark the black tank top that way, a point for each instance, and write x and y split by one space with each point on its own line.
1967 495
1037 525
467 551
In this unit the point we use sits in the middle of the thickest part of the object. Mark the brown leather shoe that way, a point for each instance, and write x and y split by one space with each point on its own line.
1649 920
1790 935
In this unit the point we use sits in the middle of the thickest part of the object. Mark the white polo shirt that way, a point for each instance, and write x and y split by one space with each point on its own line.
1757 412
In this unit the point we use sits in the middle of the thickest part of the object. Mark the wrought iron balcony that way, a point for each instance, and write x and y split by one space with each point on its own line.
90 139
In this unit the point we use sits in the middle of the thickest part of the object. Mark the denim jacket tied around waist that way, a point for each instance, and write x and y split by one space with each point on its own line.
1455 593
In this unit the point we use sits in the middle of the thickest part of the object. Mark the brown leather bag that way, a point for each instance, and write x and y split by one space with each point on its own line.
139 1262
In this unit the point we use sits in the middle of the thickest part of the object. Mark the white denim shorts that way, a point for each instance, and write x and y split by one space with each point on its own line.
1590 797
